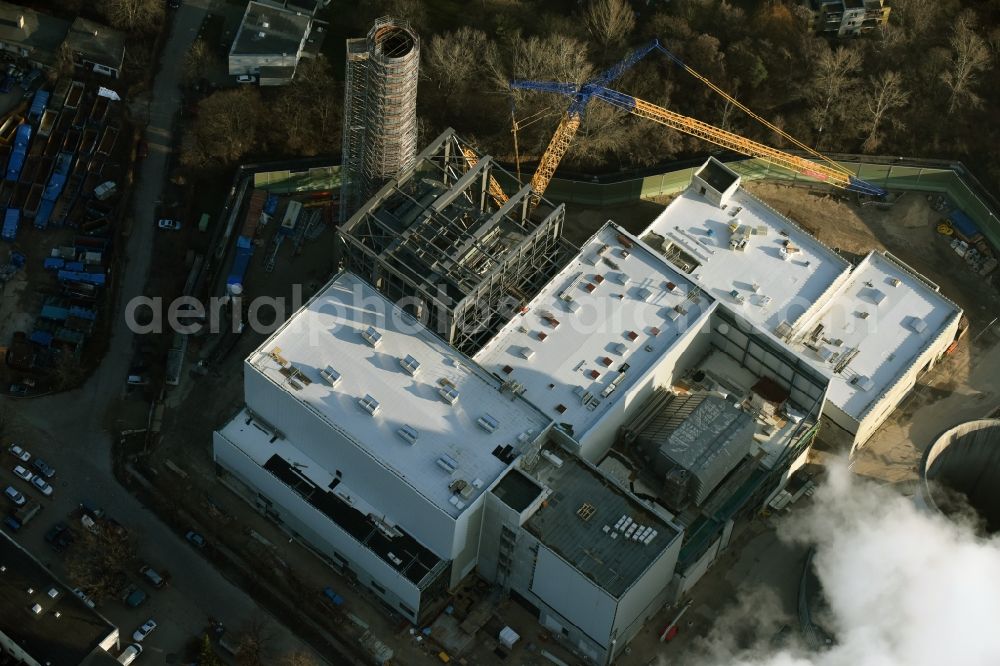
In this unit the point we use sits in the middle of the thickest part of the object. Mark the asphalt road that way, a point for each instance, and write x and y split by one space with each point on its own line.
68 429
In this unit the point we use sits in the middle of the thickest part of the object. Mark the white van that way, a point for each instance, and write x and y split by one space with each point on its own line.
130 654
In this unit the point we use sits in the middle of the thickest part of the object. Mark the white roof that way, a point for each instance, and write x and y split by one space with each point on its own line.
567 347
787 283
904 316
325 338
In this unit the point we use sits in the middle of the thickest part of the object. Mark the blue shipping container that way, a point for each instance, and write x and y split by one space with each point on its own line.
11 220
963 224
43 338
97 279
43 214
38 105
54 263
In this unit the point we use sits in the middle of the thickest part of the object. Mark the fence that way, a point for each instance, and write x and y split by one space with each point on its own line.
942 177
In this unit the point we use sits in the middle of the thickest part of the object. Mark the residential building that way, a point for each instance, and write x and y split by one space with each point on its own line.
31 35
847 17
96 47
272 40
42 621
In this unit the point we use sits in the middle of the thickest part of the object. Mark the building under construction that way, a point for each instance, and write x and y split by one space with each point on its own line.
380 109
441 242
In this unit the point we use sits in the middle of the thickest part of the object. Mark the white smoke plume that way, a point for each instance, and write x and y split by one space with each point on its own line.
904 587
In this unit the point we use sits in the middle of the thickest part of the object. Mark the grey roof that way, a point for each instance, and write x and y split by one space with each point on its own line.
613 563
97 42
68 639
267 30
39 33
703 434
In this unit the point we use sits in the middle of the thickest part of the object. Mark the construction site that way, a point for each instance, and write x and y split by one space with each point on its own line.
589 412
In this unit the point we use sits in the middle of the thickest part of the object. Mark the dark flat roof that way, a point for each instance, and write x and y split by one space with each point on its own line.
267 30
41 32
65 640
717 175
517 491
578 535
97 42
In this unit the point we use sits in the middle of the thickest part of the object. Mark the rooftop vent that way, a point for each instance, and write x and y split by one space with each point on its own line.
369 404
447 463
409 433
894 282
863 383
507 369
918 324
37 609
542 335
527 352
598 279
410 364
449 393
329 375
371 336
620 348
488 423
590 287
606 361
632 335
53 592
654 331
594 374
877 296
561 408
643 293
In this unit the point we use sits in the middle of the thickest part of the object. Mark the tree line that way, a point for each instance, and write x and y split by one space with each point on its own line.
919 86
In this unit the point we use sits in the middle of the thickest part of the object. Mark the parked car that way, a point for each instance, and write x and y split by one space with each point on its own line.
12 523
137 380
18 389
195 539
14 496
105 190
145 630
133 597
169 225
91 509
152 576
39 483
19 453
130 654
22 473
82 596
59 537
43 468
246 78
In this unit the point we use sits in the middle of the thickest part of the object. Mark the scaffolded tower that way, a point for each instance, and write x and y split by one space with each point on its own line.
380 109
459 258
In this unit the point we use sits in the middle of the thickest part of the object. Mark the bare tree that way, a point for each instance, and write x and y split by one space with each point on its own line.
834 79
197 61
916 16
99 560
885 95
226 128
141 15
969 56
609 21
255 643
447 59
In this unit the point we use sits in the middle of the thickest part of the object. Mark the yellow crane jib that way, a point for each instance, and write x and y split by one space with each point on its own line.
496 192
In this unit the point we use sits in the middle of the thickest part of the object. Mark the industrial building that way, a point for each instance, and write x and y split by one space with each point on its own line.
42 621
872 329
438 242
374 441
623 411
380 109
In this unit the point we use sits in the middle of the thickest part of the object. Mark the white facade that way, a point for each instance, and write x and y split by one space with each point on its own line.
354 406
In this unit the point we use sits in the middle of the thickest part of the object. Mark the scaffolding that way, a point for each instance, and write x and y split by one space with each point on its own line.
380 109
436 241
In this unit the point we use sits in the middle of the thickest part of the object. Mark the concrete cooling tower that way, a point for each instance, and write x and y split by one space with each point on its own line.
961 469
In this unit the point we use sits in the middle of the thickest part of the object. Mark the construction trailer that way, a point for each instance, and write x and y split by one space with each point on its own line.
437 241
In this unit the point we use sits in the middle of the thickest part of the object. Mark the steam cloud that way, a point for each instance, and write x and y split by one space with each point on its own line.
904 586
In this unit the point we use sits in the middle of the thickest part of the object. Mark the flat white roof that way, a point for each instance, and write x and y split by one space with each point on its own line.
879 323
415 430
772 284
616 304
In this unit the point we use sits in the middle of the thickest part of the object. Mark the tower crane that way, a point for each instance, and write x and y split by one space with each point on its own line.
823 168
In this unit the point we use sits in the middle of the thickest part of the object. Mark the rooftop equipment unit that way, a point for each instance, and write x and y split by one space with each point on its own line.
409 433
447 463
449 394
369 404
410 364
371 336
488 423
329 375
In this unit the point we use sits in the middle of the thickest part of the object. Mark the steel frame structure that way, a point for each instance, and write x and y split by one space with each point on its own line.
439 242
